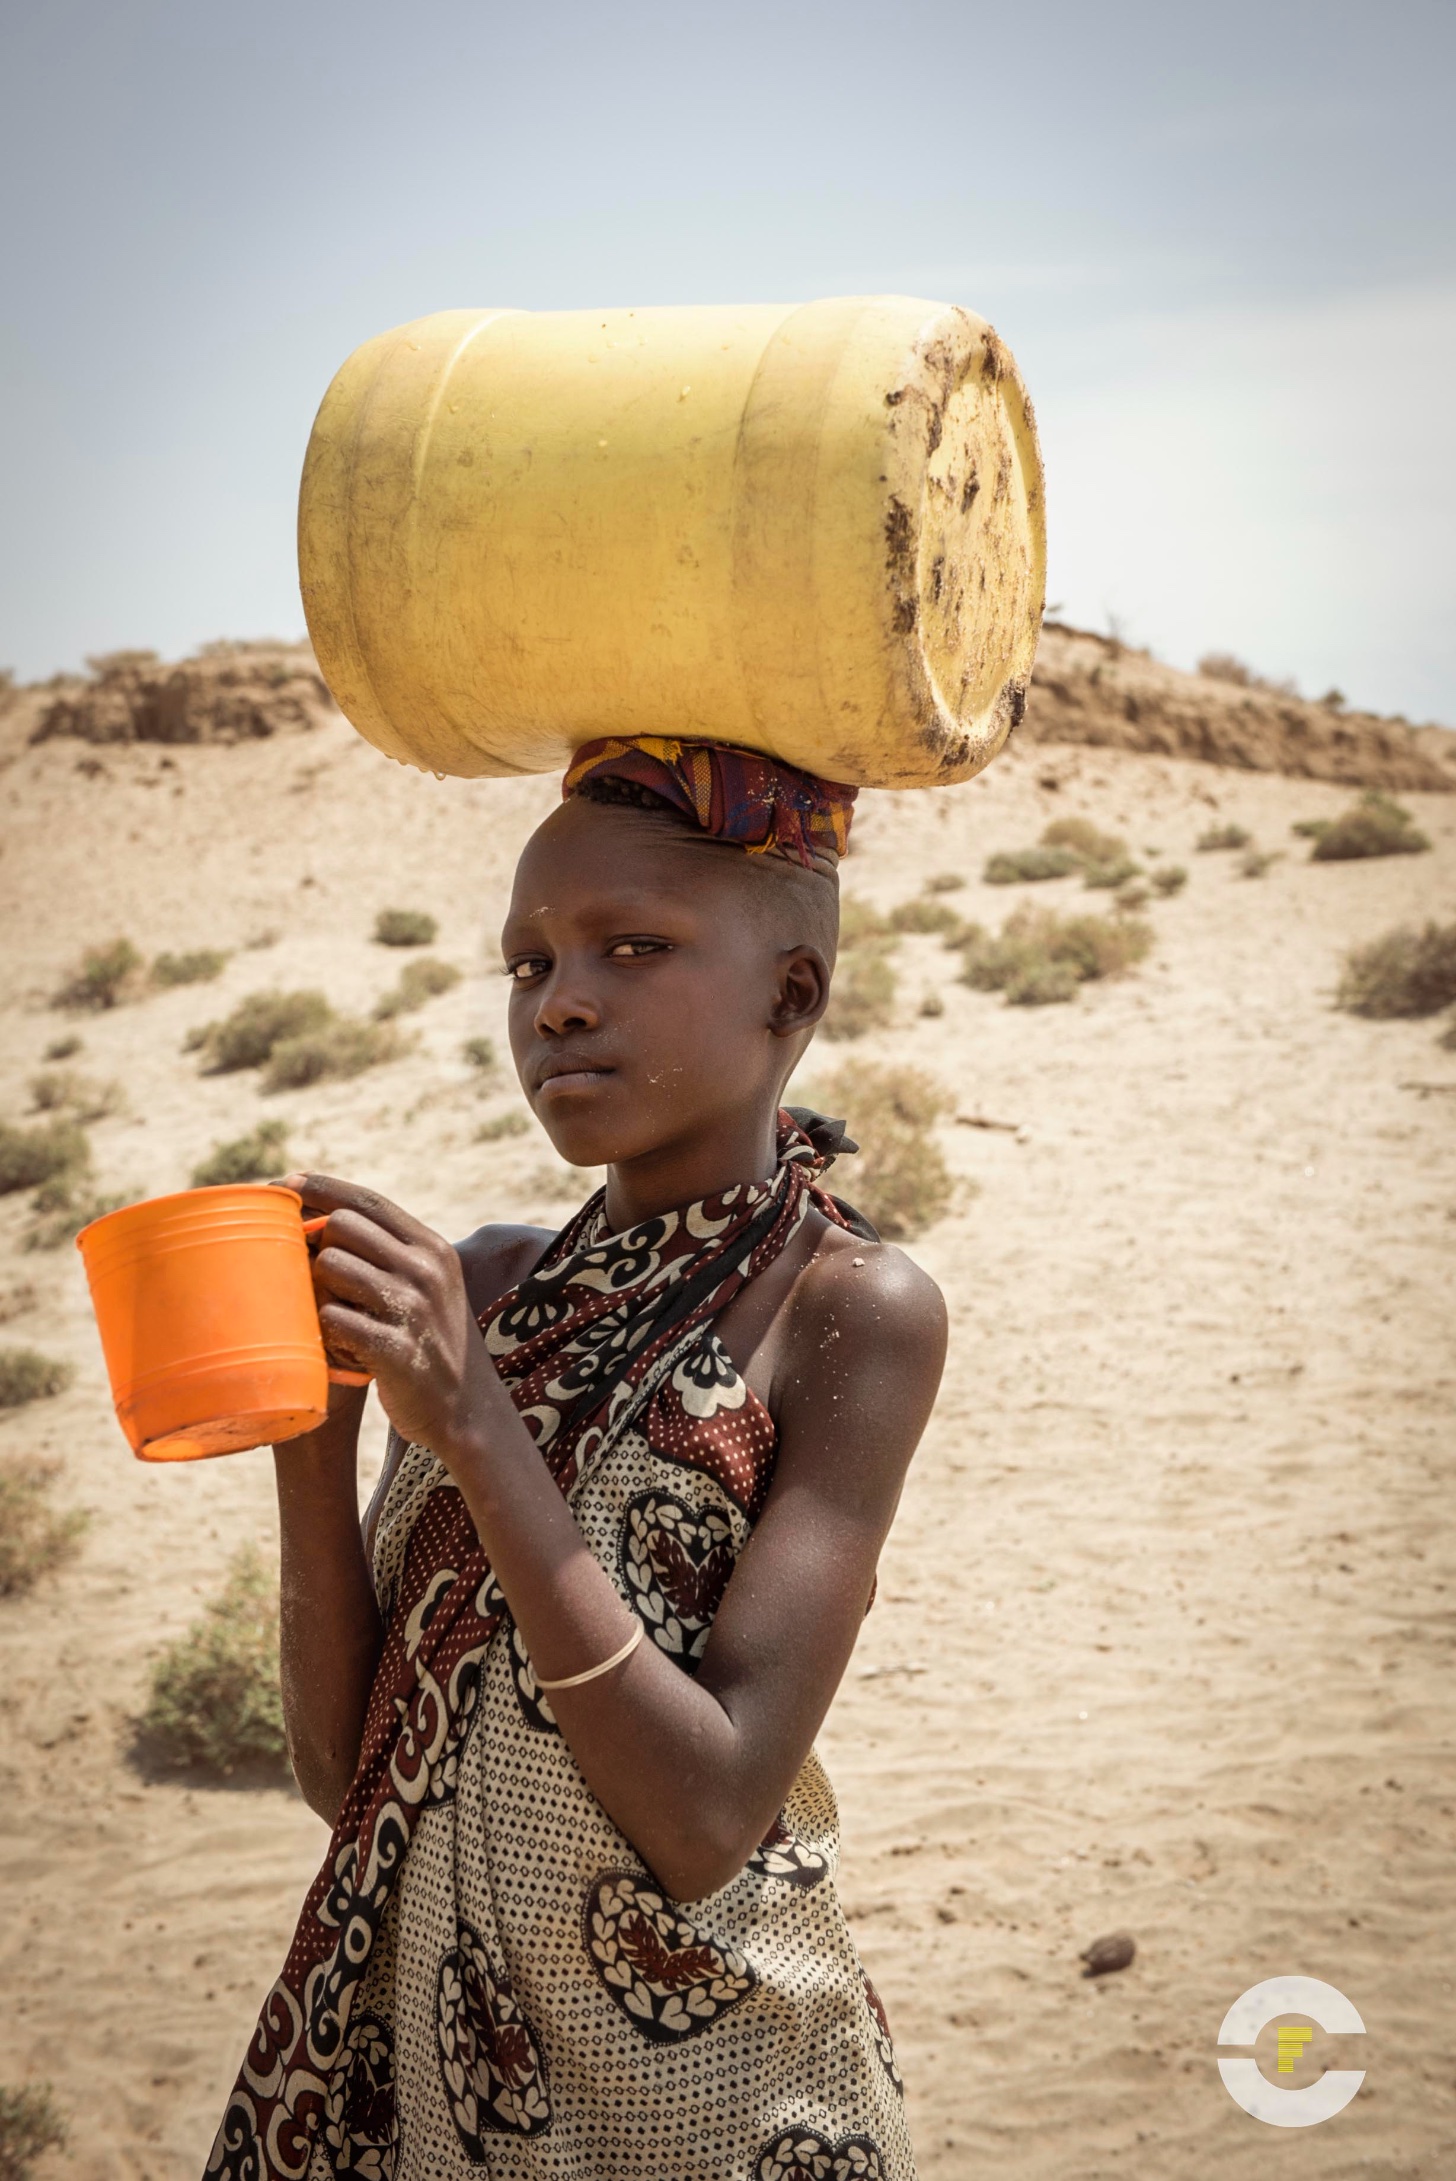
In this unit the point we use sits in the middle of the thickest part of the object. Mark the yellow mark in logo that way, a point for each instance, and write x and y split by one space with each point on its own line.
1291 2043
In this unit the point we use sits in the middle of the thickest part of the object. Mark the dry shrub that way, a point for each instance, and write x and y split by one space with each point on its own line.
862 995
1375 826
30 1157
27 1375
932 1005
1225 666
1040 958
1403 973
198 967
64 1048
17 1300
921 914
860 922
34 1537
1085 840
1171 879
247 1158
944 882
479 1053
30 2125
1112 874
418 982
899 1179
61 1090
247 1037
70 1206
214 1698
1254 862
342 1047
405 928
1223 836
1015 865
106 976
510 1123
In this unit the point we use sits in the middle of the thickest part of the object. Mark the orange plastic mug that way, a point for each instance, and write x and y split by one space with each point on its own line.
205 1305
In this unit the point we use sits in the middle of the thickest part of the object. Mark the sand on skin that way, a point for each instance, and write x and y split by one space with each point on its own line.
1164 1630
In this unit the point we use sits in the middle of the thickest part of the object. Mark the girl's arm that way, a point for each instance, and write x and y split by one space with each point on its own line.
692 1769
329 1627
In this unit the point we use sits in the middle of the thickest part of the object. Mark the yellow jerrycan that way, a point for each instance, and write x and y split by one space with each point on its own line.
815 531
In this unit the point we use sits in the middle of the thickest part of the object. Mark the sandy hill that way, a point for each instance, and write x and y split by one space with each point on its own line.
1164 1631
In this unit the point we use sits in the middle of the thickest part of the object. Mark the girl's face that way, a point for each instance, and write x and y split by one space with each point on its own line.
651 997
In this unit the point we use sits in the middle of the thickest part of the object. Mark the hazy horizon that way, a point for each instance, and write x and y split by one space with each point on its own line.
1221 247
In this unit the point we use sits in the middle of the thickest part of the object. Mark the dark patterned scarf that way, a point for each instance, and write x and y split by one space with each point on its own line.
583 1344
736 795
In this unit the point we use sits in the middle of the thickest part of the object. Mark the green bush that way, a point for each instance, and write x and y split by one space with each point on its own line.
255 1157
1171 879
1010 866
1223 836
1040 958
1375 826
30 1157
922 914
418 982
479 1053
107 976
214 1698
510 1123
198 967
899 1179
1086 841
342 1047
1310 829
247 1037
405 928
27 1375
30 2125
34 1537
1403 973
862 995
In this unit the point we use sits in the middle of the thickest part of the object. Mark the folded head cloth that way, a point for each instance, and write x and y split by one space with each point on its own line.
736 795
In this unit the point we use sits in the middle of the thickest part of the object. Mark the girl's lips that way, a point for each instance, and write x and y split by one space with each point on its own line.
576 1079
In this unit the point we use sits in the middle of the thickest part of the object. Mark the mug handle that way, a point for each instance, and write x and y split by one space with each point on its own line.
312 1227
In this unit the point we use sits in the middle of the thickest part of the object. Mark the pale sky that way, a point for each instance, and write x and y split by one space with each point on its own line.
1219 239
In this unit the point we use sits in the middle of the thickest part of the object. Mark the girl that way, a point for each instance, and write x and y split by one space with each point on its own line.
578 1920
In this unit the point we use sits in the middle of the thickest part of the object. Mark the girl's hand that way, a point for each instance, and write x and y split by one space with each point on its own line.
392 1301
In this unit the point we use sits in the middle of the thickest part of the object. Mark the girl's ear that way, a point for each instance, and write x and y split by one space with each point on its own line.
803 991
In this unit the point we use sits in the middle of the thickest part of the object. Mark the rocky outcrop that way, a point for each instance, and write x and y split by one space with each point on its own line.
224 693
1090 689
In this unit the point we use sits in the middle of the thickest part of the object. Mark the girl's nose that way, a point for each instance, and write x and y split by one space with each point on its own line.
559 1011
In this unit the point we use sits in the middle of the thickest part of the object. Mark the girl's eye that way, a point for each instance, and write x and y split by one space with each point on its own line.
531 965
626 950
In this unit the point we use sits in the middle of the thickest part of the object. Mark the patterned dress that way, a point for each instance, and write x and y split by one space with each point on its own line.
485 1979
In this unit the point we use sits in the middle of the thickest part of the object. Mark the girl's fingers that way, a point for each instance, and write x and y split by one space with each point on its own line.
340 1276
363 1237
352 1337
326 1193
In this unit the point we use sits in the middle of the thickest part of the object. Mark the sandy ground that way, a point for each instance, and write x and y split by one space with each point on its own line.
1164 1632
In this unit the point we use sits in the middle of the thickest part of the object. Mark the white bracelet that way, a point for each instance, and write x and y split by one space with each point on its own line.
574 1681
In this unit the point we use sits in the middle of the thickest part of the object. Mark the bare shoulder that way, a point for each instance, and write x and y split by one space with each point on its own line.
873 1284
497 1258
869 1307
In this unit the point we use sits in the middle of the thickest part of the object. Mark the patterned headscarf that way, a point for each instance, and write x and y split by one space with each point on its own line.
736 795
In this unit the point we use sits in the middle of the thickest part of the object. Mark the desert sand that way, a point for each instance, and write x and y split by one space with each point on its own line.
1164 1631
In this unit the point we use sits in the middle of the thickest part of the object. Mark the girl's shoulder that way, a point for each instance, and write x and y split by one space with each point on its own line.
497 1258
